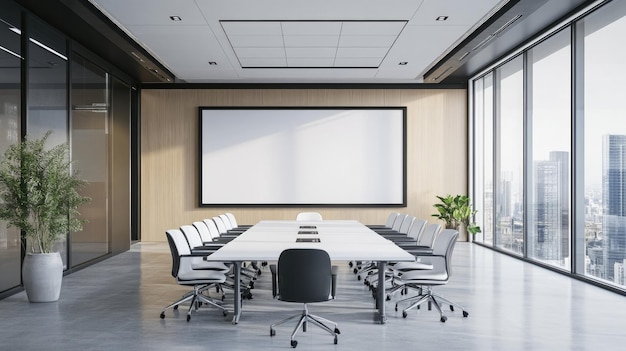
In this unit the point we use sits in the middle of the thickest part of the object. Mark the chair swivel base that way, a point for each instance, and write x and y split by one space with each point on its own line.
305 317
195 298
432 299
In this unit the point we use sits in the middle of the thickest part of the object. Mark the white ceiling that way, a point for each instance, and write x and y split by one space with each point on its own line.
290 41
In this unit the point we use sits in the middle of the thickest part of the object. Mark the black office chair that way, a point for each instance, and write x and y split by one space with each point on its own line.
305 276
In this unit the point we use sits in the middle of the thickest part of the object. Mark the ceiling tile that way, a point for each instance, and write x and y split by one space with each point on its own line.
311 52
311 41
262 62
367 41
260 52
311 27
310 62
372 28
251 28
361 52
357 62
258 41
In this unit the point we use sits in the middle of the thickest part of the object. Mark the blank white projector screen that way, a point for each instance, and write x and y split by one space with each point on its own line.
303 156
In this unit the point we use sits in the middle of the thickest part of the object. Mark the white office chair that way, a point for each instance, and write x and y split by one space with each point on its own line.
182 261
425 279
309 216
388 224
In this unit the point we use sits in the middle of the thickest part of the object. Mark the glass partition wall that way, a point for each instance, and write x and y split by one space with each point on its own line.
10 111
549 153
47 83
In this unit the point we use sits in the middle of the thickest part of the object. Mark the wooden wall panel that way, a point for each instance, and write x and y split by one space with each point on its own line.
436 150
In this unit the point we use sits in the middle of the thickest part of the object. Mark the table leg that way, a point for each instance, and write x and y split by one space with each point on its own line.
237 292
380 293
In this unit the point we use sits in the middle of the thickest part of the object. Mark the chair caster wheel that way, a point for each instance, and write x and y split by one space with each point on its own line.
443 319
355 271
350 264
223 297
337 331
358 277
162 315
176 307
465 313
451 308
224 313
188 318
404 314
272 332
388 298
335 340
294 343
396 308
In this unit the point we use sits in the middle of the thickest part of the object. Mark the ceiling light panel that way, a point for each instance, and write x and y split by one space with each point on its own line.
312 44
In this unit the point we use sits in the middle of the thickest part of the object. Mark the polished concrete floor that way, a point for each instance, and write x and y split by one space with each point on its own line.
115 305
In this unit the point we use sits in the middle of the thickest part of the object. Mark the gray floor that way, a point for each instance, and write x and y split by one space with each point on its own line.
115 305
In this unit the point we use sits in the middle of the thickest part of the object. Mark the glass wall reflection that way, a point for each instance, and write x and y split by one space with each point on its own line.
90 145
10 101
47 89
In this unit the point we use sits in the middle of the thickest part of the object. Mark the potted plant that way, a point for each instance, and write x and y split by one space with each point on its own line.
457 210
39 195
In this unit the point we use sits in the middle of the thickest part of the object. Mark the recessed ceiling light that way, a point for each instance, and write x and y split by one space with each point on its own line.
442 18
212 63
176 18
403 63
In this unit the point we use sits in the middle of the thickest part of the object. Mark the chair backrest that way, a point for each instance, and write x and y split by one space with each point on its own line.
210 224
398 223
309 216
429 234
226 221
203 230
391 219
444 246
231 218
219 223
178 247
192 235
416 229
406 225
304 275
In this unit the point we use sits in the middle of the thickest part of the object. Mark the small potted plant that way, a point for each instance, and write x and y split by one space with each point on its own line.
457 210
39 195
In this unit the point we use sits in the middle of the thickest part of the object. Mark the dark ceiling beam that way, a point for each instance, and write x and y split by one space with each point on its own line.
513 25
85 24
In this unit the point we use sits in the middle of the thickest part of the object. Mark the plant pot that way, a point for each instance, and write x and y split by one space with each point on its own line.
42 275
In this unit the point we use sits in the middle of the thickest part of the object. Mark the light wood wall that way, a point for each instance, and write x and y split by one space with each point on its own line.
436 150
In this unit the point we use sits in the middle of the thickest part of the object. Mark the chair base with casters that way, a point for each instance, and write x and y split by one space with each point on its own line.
304 275
306 317
427 295
195 298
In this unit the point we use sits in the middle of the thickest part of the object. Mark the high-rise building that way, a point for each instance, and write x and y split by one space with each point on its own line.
613 202
562 158
547 212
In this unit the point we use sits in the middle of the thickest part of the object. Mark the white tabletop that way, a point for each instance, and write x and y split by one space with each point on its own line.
343 240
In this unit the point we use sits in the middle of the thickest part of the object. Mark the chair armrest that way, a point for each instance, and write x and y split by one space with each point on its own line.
333 284
274 280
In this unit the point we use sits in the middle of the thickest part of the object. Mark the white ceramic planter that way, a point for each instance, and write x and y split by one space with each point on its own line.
42 275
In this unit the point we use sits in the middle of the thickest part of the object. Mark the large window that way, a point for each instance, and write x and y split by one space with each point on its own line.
605 142
559 190
509 150
549 84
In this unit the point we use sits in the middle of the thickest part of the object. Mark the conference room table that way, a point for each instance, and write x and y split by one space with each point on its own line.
344 240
